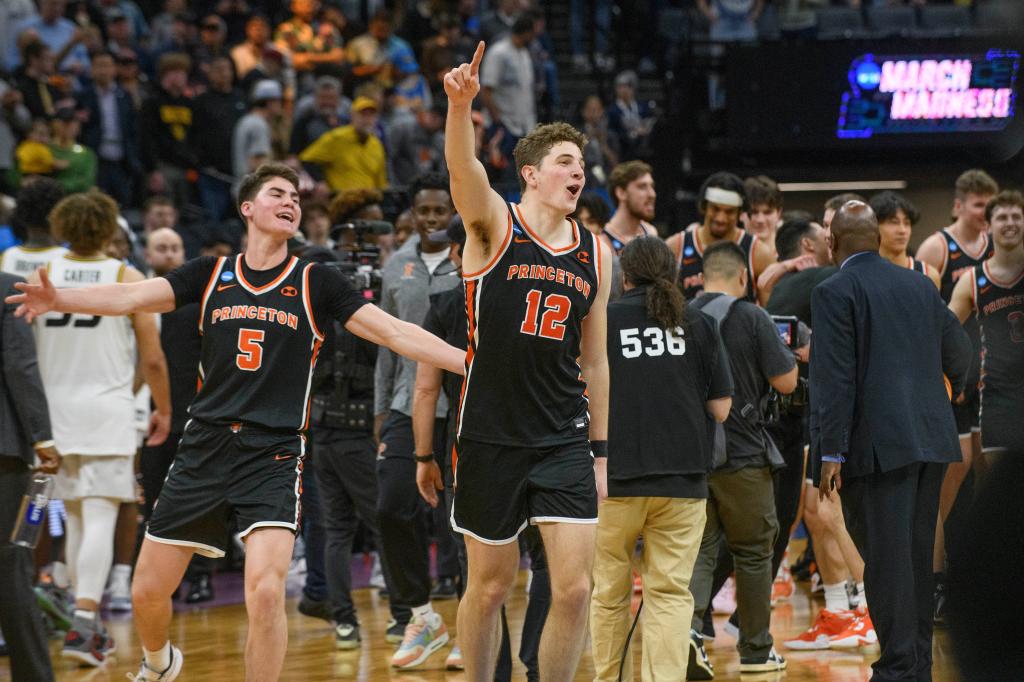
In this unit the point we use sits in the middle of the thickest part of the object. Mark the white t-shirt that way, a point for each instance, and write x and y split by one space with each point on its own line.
433 260
508 70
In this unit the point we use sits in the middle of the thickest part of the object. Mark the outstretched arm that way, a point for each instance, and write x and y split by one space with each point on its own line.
40 297
405 338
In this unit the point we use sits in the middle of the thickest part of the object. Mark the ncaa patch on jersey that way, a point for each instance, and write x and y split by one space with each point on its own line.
227 276
688 251
982 281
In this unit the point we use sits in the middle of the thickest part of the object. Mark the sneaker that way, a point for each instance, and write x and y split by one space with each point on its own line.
395 632
782 588
860 632
346 636
376 571
53 603
200 590
817 585
698 667
422 638
828 624
454 660
87 643
119 591
725 600
147 674
772 663
444 589
315 608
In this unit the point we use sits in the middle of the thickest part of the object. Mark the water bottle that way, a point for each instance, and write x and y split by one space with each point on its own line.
32 514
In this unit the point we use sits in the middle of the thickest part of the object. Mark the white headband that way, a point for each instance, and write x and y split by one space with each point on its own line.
723 197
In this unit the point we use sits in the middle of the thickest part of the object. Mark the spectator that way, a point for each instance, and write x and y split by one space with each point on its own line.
411 91
12 13
250 143
130 78
498 23
110 129
590 19
418 24
216 112
507 87
119 35
629 118
167 118
352 157
15 119
34 154
183 36
446 50
158 213
374 54
731 20
37 92
79 171
349 205
162 25
137 26
235 14
60 35
416 146
310 45
274 66
316 224
327 110
602 151
249 54
212 34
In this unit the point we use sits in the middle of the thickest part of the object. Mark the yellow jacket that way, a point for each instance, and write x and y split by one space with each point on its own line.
347 163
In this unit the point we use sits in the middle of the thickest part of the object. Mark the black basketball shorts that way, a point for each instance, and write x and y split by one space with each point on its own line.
1000 421
499 489
967 413
222 472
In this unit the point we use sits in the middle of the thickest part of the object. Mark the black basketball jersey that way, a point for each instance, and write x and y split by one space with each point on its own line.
691 263
917 265
259 349
525 312
956 264
618 245
1000 307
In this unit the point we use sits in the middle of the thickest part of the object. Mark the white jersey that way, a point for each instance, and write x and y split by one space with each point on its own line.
88 363
24 260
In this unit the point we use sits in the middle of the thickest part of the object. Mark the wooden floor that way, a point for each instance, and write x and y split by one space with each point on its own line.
213 642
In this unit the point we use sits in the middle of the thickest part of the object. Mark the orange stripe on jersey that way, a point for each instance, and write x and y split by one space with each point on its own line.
497 254
455 459
312 365
974 288
597 263
995 280
575 234
259 290
470 345
308 303
209 289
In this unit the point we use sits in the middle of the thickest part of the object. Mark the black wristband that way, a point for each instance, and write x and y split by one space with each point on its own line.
429 457
599 448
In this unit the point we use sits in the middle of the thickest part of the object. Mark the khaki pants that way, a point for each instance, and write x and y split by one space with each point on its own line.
672 529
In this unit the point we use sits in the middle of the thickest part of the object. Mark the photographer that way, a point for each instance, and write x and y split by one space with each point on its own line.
668 368
410 276
742 501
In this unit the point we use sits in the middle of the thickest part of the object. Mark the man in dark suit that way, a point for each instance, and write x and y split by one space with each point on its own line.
881 415
24 427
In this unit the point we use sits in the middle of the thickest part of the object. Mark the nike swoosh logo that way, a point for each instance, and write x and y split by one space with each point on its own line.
278 458
222 287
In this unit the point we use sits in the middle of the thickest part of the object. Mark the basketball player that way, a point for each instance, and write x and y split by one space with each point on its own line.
632 186
36 199
536 291
896 220
88 365
954 251
722 198
995 291
765 213
261 316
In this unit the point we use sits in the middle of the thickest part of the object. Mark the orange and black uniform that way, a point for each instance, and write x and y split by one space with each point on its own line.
690 259
1000 307
523 451
242 450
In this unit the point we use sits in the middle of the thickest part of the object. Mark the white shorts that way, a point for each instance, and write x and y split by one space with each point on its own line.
96 476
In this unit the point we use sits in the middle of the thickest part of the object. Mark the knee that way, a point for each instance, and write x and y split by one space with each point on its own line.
573 595
264 600
147 592
490 594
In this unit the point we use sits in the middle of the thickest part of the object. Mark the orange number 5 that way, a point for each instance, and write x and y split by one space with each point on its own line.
250 352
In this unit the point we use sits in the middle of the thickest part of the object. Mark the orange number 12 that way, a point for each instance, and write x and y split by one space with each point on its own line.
552 322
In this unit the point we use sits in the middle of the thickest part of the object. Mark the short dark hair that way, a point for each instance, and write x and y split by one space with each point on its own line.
724 259
32 50
886 204
722 180
838 201
763 190
35 200
428 181
625 173
253 182
1008 197
975 181
795 226
173 61
531 149
523 24
595 205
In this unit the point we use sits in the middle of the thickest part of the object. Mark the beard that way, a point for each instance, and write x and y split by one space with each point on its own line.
639 211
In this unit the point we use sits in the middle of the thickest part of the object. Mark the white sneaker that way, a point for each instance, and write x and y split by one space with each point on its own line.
119 589
376 572
147 674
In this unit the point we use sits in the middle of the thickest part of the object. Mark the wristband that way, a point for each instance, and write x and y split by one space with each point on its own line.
423 459
43 444
599 448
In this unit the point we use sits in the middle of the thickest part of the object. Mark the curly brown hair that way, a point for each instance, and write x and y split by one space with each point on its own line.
87 221
534 146
350 201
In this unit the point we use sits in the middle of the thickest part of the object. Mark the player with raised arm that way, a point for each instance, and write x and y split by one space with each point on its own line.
261 316
537 286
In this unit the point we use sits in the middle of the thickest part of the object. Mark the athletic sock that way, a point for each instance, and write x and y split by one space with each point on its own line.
87 615
121 570
424 612
836 599
159 660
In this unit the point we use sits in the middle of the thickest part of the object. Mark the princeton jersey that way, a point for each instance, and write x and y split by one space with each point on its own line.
525 313
957 262
24 260
691 263
618 245
917 265
259 348
87 363
1000 307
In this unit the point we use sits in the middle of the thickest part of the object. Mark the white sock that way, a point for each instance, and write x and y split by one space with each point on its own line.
84 613
424 611
836 599
121 570
159 660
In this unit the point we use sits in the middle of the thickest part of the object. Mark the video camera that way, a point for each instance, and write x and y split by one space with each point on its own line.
359 254
795 335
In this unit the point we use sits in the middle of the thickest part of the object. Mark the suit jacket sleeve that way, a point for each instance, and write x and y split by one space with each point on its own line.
21 375
833 368
957 352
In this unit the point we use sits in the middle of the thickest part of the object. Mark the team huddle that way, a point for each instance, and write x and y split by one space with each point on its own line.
559 324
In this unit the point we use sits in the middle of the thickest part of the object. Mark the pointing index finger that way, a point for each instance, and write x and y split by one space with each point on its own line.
478 56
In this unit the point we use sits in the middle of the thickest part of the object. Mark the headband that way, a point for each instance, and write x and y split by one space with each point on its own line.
723 197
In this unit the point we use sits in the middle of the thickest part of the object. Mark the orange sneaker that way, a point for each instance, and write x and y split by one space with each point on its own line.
828 624
860 632
782 588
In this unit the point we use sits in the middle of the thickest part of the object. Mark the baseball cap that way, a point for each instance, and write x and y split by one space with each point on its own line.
266 89
455 233
364 103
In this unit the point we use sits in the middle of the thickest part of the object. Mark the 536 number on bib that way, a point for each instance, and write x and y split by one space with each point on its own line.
653 341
